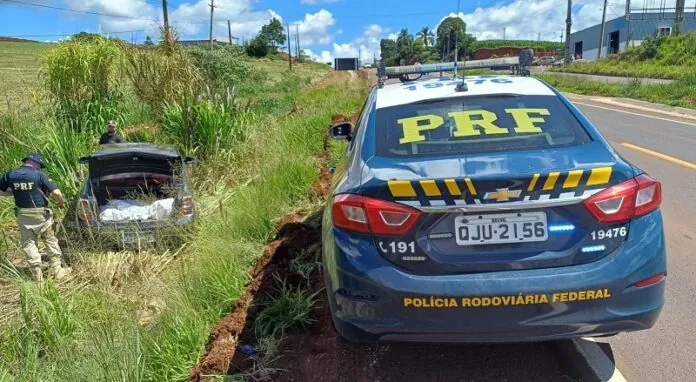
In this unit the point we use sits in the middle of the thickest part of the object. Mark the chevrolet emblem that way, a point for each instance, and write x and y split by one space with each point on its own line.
502 195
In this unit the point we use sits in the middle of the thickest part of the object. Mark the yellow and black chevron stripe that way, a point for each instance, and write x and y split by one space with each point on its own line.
458 191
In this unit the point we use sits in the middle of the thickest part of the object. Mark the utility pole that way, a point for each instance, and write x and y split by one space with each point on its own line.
229 30
628 22
679 16
504 30
297 38
212 10
569 23
601 31
539 36
165 18
289 49
561 37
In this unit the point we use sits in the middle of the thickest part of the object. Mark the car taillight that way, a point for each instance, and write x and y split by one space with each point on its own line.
368 215
84 211
186 205
624 201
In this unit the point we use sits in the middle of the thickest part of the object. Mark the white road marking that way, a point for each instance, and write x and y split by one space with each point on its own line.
603 367
632 113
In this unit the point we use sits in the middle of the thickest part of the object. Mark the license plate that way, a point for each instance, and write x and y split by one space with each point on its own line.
136 237
500 228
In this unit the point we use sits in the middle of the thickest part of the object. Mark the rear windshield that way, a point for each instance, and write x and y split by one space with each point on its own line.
469 125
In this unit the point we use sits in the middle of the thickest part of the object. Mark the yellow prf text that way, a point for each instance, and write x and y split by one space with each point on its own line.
472 123
511 300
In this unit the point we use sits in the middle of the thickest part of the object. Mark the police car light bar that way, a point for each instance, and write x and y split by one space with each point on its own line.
504 62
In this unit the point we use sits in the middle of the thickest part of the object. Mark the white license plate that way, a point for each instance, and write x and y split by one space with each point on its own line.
136 237
500 228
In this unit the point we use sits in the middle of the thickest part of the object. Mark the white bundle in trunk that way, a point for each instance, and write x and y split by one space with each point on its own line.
129 210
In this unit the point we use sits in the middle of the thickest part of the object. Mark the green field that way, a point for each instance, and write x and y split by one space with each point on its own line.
146 315
19 71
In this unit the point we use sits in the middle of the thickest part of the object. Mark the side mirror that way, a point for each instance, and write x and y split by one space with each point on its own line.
84 160
341 131
189 160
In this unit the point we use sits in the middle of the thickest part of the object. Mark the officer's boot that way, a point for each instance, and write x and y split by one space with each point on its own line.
37 273
57 270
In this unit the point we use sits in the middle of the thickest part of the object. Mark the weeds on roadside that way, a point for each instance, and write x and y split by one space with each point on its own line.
292 308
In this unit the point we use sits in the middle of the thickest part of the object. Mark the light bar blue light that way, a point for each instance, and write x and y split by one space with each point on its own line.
593 248
561 227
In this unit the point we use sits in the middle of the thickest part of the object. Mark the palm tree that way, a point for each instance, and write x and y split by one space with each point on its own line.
427 35
404 39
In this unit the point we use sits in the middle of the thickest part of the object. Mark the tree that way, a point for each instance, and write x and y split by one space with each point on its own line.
404 39
427 35
148 41
273 33
258 47
389 54
450 33
86 37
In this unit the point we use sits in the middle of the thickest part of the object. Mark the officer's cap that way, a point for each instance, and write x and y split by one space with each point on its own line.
35 157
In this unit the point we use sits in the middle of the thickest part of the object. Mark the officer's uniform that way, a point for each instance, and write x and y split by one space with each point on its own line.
31 189
107 138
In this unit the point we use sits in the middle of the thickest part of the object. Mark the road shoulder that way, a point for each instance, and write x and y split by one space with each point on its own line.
649 109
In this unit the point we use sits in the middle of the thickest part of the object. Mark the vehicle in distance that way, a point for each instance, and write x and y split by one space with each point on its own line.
545 60
494 212
135 193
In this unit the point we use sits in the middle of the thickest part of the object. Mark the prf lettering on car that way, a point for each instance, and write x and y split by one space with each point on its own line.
473 123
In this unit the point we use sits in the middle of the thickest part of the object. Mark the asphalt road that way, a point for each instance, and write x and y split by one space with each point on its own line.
665 353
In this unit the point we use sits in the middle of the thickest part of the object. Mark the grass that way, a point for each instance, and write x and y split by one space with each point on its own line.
19 68
147 316
292 308
682 93
671 57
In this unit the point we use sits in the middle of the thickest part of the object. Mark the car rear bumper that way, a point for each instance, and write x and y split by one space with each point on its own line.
130 233
372 300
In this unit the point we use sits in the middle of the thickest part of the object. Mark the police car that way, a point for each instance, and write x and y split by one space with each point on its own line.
487 209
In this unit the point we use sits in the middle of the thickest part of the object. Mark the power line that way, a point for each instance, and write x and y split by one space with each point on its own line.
77 10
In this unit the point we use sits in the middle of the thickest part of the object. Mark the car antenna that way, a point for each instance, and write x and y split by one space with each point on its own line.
461 87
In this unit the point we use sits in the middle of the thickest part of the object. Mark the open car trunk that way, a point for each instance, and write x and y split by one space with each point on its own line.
135 187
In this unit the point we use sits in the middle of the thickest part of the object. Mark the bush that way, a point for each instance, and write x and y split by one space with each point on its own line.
205 127
163 75
258 47
220 68
83 80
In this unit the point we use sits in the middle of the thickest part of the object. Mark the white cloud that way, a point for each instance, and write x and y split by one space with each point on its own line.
365 46
188 18
524 19
314 28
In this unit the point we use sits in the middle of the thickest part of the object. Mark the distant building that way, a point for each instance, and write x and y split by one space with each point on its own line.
619 32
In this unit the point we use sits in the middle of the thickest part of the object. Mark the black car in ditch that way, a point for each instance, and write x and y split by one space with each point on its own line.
135 193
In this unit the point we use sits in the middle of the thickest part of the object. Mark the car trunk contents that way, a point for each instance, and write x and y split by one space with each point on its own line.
128 210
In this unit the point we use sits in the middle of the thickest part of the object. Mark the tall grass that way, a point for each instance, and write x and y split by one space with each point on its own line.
681 93
265 169
163 75
656 57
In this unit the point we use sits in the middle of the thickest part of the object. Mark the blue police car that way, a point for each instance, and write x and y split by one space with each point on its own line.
490 212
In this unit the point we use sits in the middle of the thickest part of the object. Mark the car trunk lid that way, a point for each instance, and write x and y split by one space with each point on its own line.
500 211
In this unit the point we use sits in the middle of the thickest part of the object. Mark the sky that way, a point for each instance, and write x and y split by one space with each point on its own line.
327 28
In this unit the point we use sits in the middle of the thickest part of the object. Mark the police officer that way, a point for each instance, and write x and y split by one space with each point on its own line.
30 188
111 135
